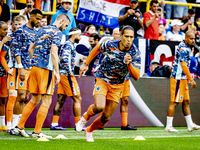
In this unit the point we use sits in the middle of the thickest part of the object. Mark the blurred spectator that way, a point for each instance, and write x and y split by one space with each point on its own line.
198 14
161 18
175 34
116 34
82 27
131 16
64 9
151 24
188 21
90 29
180 12
4 12
161 30
20 4
168 11
27 10
46 5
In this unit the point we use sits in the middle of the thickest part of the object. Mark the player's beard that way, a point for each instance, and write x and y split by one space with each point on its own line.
61 28
32 23
76 40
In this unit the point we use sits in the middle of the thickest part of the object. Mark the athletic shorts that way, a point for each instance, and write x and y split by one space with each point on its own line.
3 87
112 92
179 90
41 81
126 89
14 82
68 86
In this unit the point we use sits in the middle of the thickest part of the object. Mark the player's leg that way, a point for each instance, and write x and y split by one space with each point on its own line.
2 114
56 113
77 107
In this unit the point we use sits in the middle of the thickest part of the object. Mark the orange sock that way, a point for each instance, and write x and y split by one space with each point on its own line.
9 108
101 113
89 113
77 119
25 114
55 118
40 118
97 124
124 116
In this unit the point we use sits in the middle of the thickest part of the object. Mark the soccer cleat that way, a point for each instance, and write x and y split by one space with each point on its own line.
195 127
128 127
82 129
39 135
58 127
21 132
28 133
12 132
89 137
171 129
4 128
80 124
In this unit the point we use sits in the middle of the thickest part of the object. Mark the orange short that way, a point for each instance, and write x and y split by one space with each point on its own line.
179 90
68 86
112 92
126 89
14 82
3 87
41 81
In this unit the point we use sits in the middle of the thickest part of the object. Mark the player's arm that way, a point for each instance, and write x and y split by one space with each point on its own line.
4 40
4 63
54 55
31 49
91 56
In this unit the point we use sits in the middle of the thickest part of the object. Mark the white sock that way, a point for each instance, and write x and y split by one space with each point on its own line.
2 121
189 121
169 122
20 115
9 125
15 120
54 124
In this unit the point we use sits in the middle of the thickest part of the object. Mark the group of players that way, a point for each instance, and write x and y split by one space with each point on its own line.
34 63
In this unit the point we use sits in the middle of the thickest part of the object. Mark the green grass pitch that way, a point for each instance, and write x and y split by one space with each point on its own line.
107 139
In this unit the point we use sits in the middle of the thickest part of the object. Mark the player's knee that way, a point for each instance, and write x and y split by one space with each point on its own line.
125 100
105 119
99 108
22 97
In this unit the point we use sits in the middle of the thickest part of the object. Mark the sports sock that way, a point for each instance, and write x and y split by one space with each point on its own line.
77 119
2 121
55 120
15 121
9 125
97 124
124 116
89 113
9 108
40 118
20 115
169 122
189 121
25 114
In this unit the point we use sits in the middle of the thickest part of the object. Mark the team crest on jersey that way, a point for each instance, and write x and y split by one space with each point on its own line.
98 88
11 84
181 97
21 83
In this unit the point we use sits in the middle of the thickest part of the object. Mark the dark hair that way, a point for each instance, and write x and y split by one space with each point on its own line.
36 11
125 28
95 36
153 1
73 29
90 26
1 23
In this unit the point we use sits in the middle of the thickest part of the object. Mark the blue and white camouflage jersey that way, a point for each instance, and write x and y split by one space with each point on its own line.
182 54
24 37
113 69
45 38
67 54
2 70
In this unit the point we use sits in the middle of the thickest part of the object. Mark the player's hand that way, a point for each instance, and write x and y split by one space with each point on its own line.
83 70
11 72
81 59
57 78
193 84
131 12
22 74
72 74
127 58
6 39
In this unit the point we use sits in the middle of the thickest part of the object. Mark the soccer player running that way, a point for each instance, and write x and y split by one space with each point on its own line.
44 54
24 36
68 85
180 76
122 58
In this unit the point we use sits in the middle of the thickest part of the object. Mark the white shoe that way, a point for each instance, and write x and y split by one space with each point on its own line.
21 132
89 137
39 135
195 127
170 129
81 123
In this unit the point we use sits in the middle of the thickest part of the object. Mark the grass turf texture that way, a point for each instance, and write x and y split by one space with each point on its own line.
109 138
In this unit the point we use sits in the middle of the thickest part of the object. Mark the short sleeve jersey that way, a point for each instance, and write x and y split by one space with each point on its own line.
45 38
182 54
113 69
2 70
67 54
24 37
